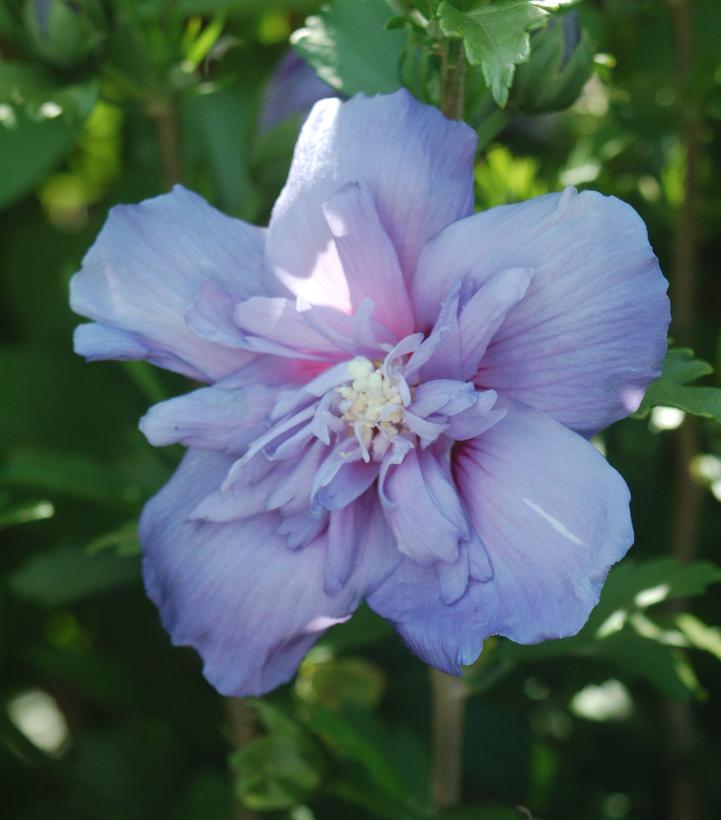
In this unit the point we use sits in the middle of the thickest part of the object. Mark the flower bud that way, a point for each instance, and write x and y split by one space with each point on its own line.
561 62
64 32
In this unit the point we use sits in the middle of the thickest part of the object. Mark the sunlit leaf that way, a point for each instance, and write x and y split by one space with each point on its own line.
26 512
496 36
672 390
349 47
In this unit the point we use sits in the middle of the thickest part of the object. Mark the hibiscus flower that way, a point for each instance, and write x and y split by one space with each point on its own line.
400 395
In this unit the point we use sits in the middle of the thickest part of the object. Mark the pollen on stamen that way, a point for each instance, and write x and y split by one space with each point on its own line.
372 404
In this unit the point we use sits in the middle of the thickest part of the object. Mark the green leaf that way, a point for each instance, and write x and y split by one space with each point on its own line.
671 390
634 586
280 770
274 772
39 123
123 541
348 46
700 635
61 576
355 735
496 36
490 811
340 682
619 631
69 475
25 513
220 126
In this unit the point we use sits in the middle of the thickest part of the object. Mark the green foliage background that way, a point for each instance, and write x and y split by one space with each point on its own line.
621 721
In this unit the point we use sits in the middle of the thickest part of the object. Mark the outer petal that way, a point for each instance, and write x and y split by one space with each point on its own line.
553 517
369 260
417 164
590 333
144 272
234 592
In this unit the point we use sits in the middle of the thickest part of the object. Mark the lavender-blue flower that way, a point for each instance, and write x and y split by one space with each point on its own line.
400 393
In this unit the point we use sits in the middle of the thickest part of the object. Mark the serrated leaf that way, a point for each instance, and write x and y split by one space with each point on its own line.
672 390
349 47
496 36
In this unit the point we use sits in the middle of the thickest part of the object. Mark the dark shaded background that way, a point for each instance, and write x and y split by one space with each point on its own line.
131 730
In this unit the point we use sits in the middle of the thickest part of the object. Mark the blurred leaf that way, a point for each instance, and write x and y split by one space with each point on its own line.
497 36
207 796
275 720
339 683
246 6
277 771
636 585
61 576
349 47
26 512
700 635
99 677
502 178
65 32
69 475
39 123
123 541
358 737
494 811
220 126
670 390
666 667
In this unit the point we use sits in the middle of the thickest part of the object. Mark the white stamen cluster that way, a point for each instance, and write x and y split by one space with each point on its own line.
372 404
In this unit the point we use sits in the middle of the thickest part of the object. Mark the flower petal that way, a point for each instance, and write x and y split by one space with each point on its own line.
590 333
144 272
211 418
359 535
423 509
553 517
250 606
369 260
417 164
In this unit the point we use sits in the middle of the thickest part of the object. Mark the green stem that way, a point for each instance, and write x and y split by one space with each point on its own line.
453 76
164 114
449 700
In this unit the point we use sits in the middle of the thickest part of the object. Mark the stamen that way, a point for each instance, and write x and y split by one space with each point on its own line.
373 405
